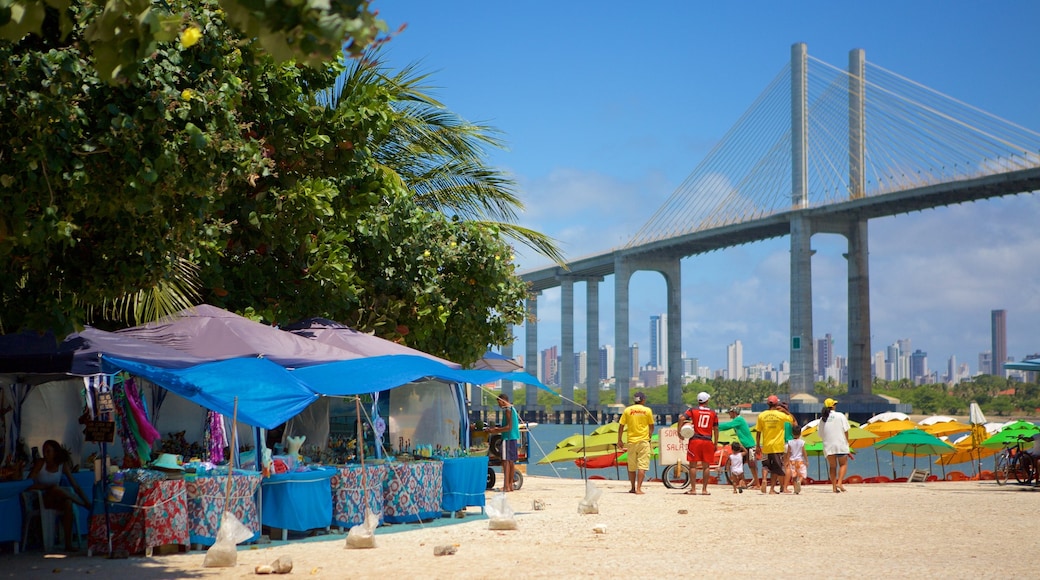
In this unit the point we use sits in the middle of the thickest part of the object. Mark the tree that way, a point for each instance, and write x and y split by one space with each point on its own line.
120 34
106 192
438 155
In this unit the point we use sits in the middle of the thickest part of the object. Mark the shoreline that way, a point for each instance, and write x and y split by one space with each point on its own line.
958 529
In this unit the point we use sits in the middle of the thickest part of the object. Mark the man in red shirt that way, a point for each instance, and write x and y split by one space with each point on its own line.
701 449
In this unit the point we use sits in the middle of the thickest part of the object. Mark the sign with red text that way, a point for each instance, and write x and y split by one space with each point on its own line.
673 449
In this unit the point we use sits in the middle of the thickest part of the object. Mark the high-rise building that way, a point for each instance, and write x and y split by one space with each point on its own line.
689 366
735 361
879 366
919 366
659 342
549 366
824 355
951 370
606 362
580 368
999 346
633 357
985 363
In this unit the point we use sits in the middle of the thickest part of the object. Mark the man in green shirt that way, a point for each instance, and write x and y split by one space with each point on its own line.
740 426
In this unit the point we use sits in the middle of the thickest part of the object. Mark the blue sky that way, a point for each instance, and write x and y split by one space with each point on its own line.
606 107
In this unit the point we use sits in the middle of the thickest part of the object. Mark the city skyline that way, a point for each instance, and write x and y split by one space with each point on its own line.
601 129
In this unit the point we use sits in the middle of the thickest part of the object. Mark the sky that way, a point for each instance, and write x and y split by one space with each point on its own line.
605 107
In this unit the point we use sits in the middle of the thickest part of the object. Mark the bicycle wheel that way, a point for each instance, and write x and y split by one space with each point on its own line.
1001 470
1023 468
676 476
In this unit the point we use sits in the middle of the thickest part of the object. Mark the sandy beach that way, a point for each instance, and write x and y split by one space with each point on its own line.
901 530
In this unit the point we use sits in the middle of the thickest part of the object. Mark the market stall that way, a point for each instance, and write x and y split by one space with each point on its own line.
152 512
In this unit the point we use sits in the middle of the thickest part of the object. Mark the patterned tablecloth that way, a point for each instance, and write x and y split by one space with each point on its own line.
412 491
348 494
156 515
206 504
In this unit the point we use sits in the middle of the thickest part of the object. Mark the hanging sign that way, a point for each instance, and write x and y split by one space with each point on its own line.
99 431
105 403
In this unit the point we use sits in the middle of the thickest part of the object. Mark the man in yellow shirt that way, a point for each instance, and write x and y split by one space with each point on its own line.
769 440
638 419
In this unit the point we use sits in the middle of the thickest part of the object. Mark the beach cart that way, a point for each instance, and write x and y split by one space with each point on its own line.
480 436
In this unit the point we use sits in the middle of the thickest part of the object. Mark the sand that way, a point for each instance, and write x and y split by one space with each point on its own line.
900 530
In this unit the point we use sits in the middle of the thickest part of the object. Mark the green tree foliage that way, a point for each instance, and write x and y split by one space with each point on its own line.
214 162
120 35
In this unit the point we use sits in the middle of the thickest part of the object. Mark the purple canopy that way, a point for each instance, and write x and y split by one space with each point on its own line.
212 333
357 344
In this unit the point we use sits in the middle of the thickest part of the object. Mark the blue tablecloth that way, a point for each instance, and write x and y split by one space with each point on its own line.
11 507
298 501
464 481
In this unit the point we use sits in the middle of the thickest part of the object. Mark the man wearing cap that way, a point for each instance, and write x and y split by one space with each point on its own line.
834 432
743 431
769 440
638 419
701 449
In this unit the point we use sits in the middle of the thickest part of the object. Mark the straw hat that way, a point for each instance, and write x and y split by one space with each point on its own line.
167 461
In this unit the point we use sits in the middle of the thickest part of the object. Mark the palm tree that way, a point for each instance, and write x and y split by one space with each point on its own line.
438 155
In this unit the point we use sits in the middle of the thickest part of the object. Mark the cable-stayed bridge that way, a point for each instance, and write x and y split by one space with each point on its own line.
822 150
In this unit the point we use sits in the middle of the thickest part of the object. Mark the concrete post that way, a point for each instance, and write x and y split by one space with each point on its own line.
860 368
592 344
531 340
567 346
622 362
801 380
507 386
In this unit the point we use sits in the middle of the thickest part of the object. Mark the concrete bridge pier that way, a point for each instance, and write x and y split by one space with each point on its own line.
531 350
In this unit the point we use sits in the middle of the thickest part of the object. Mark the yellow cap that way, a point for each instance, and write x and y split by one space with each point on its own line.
829 403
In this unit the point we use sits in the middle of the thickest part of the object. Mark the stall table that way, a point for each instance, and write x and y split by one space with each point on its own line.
412 491
464 483
206 503
150 514
11 504
298 501
349 493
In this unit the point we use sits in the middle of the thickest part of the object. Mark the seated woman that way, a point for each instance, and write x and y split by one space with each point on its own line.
46 475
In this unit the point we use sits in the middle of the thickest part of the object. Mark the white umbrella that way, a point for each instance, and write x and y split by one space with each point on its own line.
978 431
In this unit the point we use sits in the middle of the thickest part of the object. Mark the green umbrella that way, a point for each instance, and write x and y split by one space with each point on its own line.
1011 433
916 443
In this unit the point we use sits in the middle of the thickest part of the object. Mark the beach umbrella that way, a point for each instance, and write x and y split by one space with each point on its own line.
915 443
1011 433
888 424
940 425
979 432
965 451
493 361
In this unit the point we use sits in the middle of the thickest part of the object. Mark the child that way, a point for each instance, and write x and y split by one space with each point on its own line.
794 457
736 467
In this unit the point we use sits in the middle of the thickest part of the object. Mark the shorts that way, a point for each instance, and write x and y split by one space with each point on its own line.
774 462
798 467
639 456
700 451
509 450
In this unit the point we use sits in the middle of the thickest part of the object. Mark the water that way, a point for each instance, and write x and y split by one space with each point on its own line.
544 437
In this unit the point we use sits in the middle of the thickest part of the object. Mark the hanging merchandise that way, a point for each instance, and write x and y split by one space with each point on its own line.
216 437
124 423
144 432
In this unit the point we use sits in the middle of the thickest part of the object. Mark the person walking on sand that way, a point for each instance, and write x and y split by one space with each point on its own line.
739 425
510 431
700 451
797 469
834 431
769 440
638 420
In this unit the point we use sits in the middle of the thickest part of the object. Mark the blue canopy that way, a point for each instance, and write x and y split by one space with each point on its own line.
268 395
381 373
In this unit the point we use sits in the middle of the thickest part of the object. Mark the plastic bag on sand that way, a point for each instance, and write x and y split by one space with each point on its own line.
222 554
364 535
500 515
590 504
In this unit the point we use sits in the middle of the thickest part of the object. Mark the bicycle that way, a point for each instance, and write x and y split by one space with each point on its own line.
1012 460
